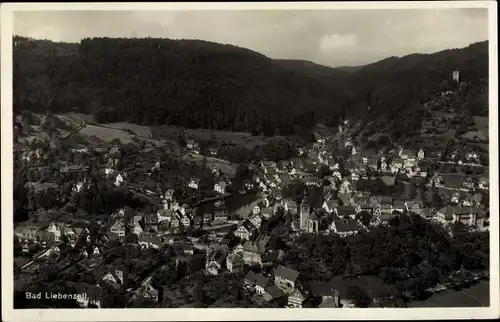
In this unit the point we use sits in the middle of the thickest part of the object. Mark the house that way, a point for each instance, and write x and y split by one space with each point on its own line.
88 294
420 154
367 155
397 164
414 206
114 276
176 221
169 194
118 228
285 279
221 216
26 233
256 209
215 261
148 240
346 212
261 283
385 218
386 204
297 297
399 206
220 187
152 220
345 227
194 183
254 251
483 183
245 230
313 223
428 213
272 293
234 263
466 215
207 218
136 229
190 144
330 206
290 205
118 180
162 215
185 220
256 220
266 212
55 230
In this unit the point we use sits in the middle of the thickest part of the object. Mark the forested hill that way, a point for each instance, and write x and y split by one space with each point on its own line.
391 93
388 96
190 83
327 75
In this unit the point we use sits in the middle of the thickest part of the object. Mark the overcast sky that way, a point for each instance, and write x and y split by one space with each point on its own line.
329 37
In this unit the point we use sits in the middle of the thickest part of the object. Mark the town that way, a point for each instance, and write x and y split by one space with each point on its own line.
171 223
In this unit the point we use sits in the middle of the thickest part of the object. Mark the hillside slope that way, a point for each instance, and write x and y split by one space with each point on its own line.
190 83
324 74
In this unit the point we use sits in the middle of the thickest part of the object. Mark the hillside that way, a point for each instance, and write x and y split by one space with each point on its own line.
198 84
324 74
191 83
394 95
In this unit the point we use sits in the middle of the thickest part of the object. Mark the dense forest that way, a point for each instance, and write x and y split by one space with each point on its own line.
192 83
387 96
199 84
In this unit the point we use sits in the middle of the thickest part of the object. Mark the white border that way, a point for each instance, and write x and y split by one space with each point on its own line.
8 314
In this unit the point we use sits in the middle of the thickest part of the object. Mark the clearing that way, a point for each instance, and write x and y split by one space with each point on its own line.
107 134
224 166
223 137
139 130
482 124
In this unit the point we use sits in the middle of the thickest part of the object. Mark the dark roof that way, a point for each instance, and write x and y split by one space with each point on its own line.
453 180
345 225
274 291
345 210
286 273
399 203
314 216
332 203
388 180
261 280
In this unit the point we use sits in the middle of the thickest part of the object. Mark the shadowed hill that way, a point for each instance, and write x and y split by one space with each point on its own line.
190 83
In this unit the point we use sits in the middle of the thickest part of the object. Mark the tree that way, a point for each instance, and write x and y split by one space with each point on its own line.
364 217
358 296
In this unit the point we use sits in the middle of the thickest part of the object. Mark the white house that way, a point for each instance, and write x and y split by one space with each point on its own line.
220 187
194 183
55 230
118 180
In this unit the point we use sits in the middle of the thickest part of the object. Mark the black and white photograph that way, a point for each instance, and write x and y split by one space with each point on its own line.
189 156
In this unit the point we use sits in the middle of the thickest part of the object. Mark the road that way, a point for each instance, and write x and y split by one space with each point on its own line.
47 252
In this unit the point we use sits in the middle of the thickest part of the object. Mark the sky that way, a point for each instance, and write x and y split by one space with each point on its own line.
327 37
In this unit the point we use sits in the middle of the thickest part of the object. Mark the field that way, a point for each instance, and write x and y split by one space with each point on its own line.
224 166
482 124
475 296
472 135
106 134
223 137
139 130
